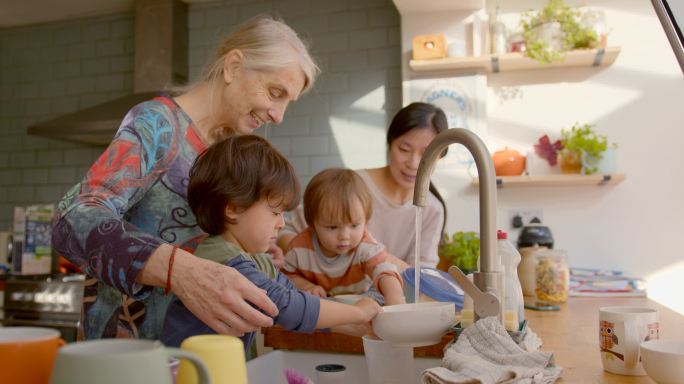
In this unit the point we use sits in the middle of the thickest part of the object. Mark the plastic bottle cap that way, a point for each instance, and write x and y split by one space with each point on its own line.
501 235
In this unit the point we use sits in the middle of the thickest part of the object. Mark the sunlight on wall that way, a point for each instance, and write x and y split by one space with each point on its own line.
361 145
543 107
666 287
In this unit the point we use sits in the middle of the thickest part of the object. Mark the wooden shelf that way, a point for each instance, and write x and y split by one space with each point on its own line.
517 61
563 180
426 6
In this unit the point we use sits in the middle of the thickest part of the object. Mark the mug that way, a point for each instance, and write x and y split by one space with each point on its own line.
116 361
388 363
621 330
223 355
27 354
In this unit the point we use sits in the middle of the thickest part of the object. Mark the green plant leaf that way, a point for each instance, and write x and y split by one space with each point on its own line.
462 249
575 36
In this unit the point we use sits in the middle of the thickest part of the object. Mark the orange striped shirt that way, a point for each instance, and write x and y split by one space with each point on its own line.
350 273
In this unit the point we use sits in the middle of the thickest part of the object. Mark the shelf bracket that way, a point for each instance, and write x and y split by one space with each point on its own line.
605 180
495 64
499 182
599 57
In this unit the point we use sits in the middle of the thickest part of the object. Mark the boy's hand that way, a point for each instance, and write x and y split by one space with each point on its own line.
369 308
354 329
316 290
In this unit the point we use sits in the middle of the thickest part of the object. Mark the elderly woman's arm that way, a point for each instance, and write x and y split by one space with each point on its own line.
214 293
92 230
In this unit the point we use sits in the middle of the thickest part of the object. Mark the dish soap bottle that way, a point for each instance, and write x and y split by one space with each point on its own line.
514 309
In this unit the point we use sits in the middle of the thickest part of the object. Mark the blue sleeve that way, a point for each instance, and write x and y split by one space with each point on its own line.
298 311
180 323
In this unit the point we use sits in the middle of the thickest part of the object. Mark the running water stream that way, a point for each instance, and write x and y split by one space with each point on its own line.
416 269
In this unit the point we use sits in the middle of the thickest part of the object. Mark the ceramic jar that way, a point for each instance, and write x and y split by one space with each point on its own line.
527 269
508 162
570 162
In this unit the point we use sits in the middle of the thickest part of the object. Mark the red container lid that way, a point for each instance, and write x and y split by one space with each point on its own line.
501 235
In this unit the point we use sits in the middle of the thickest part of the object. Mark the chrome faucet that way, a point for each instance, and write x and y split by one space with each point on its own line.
486 290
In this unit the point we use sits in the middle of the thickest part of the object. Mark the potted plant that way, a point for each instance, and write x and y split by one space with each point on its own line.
461 250
582 149
554 29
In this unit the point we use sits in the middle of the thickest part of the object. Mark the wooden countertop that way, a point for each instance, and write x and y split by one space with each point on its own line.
571 333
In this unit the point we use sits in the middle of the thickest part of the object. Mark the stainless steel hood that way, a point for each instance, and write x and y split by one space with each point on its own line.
161 59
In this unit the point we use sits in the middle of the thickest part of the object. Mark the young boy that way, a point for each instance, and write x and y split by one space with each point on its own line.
336 254
238 191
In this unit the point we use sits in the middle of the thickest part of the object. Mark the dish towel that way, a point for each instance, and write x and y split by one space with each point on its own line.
485 354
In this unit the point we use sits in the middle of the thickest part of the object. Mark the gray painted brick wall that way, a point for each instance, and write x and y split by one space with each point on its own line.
48 70
55 68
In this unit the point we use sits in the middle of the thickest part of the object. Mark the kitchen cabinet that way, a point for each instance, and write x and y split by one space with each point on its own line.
557 180
515 61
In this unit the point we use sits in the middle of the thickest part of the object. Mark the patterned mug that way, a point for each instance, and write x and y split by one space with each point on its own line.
621 330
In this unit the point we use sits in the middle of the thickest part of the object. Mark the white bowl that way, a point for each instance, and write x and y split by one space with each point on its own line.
416 324
663 360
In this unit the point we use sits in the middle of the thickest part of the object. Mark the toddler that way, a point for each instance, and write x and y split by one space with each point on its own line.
336 254
238 190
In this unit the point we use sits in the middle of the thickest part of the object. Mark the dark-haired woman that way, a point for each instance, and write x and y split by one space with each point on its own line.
394 215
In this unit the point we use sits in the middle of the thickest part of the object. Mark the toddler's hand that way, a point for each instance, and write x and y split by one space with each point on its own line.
317 290
276 255
369 308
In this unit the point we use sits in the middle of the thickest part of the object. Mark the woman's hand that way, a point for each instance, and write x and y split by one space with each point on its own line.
216 294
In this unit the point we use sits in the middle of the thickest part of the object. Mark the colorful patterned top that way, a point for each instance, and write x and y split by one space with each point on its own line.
132 200
353 272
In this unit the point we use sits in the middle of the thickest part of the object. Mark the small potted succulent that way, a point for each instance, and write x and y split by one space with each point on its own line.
461 250
582 150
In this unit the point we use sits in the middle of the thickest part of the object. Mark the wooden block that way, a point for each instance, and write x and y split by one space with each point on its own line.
429 47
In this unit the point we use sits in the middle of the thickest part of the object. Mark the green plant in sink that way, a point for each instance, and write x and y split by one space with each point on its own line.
462 249
553 30
582 145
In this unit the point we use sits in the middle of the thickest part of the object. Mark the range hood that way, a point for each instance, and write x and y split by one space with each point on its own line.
161 41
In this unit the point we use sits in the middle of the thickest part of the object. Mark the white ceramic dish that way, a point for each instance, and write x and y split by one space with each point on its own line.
663 360
415 324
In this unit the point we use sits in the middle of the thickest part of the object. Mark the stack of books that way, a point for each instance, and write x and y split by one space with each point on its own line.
604 283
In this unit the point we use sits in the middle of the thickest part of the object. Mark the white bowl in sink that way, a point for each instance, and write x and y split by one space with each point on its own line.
663 360
415 324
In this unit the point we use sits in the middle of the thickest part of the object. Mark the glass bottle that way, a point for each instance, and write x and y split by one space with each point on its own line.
499 42
552 276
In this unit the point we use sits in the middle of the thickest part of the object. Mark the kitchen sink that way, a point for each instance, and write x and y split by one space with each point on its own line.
268 368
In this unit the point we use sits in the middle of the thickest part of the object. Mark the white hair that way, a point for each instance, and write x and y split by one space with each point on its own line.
267 44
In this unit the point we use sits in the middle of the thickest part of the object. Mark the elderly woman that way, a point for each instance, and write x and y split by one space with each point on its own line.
128 224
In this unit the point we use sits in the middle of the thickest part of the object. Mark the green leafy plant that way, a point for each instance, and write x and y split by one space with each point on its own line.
462 250
574 35
583 140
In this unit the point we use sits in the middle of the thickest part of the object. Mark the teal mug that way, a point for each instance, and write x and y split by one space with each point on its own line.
116 361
